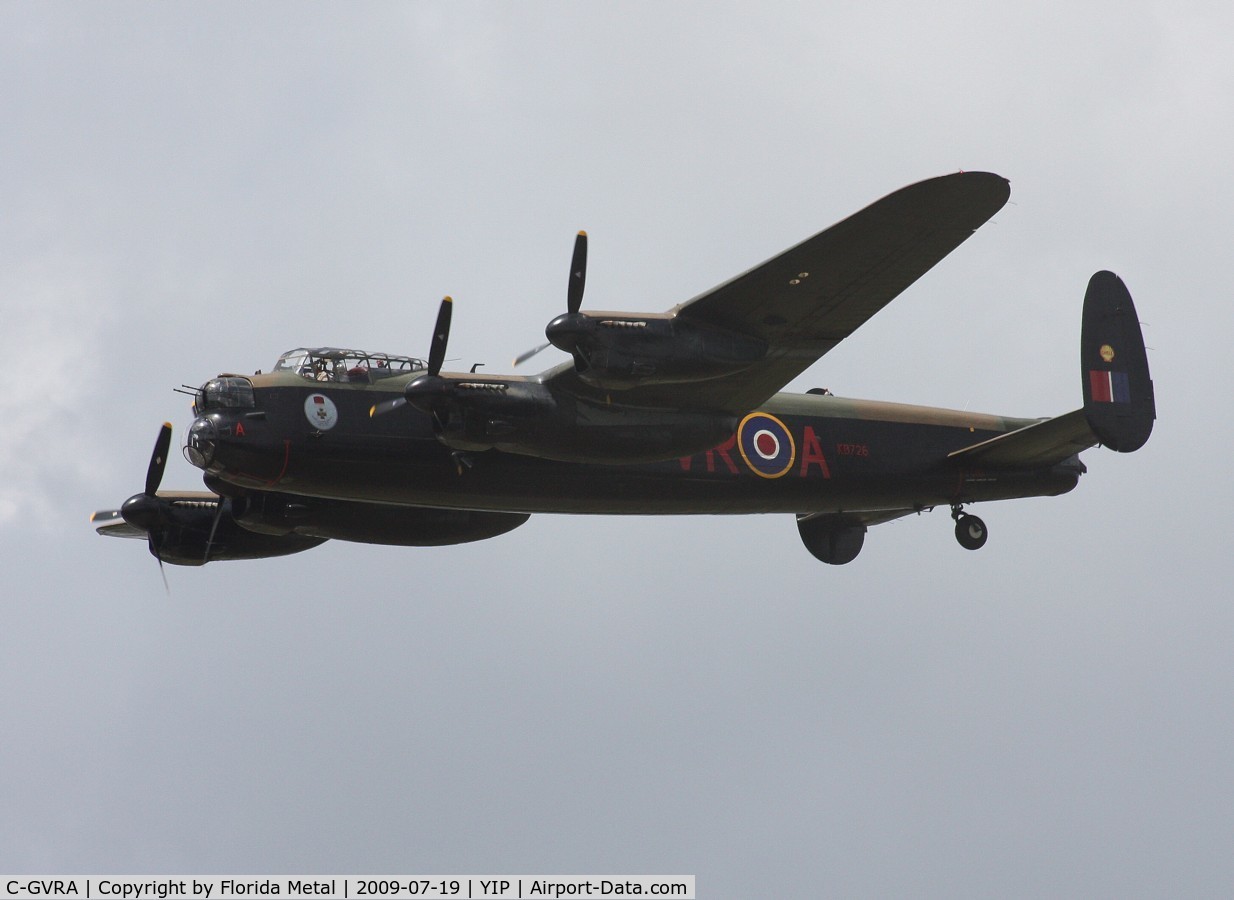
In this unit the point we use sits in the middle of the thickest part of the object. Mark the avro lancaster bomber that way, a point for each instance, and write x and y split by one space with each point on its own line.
679 412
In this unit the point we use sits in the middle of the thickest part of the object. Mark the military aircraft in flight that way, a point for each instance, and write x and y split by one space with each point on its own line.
678 412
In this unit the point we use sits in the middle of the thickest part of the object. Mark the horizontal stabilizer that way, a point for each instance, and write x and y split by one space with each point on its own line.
1039 445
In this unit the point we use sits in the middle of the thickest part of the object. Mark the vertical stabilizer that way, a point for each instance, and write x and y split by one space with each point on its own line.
1118 392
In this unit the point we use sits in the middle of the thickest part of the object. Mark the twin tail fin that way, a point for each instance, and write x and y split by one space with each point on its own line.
1119 408
1118 393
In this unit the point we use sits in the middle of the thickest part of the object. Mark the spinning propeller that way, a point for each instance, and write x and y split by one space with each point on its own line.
157 518
146 511
565 330
423 390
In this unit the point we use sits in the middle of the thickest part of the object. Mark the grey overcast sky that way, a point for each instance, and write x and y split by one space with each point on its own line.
194 188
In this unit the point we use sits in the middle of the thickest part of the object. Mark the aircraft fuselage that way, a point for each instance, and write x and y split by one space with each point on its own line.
799 453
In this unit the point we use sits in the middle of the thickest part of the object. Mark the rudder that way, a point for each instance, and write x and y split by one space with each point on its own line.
1118 392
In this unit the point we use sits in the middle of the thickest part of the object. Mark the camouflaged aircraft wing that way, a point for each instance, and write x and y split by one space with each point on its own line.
810 297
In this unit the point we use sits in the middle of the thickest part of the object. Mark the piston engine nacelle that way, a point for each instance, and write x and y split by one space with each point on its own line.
617 351
191 531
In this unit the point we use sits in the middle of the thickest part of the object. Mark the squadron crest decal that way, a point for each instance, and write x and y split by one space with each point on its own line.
320 411
766 445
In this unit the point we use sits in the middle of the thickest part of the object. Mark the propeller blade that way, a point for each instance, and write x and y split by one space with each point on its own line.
214 526
158 460
441 334
380 409
145 512
155 541
574 290
578 274
523 357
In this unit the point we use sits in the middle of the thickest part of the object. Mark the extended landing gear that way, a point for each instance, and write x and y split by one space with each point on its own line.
970 531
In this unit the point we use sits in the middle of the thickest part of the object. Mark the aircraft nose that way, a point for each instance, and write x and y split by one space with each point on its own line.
202 443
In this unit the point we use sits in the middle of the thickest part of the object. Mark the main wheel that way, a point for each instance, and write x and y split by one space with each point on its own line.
971 532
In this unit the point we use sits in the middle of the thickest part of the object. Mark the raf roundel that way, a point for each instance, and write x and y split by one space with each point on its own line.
320 411
766 445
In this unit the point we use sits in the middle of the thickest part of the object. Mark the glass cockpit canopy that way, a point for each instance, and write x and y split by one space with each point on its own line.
346 366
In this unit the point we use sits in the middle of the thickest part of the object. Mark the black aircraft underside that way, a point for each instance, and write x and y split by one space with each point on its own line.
837 464
668 413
